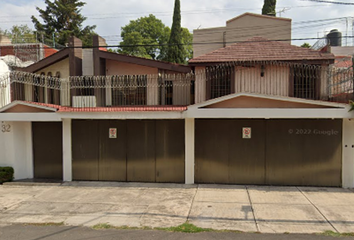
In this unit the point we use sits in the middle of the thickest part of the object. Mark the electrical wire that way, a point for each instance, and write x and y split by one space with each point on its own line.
327 1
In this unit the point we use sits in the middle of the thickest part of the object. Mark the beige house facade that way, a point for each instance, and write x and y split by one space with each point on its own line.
240 29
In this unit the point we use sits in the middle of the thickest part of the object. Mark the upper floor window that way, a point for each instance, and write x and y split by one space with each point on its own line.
220 81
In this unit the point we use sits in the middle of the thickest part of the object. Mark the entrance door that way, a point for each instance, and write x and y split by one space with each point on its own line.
47 150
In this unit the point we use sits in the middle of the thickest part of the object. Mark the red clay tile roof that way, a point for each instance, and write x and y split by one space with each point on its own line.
114 109
261 49
343 62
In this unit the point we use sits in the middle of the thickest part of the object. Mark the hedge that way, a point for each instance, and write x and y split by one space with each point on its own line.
6 174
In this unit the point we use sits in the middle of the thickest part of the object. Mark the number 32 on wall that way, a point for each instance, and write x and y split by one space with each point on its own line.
5 128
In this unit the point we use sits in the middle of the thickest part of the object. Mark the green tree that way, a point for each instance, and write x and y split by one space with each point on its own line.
145 37
269 7
20 34
148 37
176 51
61 20
306 45
187 40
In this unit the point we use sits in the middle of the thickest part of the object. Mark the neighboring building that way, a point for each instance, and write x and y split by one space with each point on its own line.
32 52
240 29
259 118
4 40
7 64
26 52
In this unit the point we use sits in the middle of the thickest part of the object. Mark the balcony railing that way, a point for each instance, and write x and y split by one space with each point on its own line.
269 78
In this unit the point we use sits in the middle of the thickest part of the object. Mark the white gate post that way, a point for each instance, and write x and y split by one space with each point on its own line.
189 150
67 151
348 154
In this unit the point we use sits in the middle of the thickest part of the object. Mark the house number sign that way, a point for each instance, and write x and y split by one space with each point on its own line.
5 128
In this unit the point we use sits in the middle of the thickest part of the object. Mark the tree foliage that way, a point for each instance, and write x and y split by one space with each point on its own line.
306 45
175 52
62 19
148 37
269 7
144 37
20 34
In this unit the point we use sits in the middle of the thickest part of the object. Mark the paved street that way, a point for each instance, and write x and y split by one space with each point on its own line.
245 208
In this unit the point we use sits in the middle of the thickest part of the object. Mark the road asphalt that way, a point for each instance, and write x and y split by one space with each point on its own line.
249 209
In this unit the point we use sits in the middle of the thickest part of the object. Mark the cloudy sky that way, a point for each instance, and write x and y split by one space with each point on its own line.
310 19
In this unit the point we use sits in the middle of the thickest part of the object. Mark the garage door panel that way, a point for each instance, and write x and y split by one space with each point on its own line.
112 160
141 151
304 152
247 156
47 150
212 151
170 151
323 150
85 140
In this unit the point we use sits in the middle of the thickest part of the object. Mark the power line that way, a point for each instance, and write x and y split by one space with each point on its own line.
200 43
328 1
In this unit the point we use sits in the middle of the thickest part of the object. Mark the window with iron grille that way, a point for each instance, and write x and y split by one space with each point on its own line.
53 86
192 92
87 86
166 92
220 81
17 87
305 82
38 89
129 90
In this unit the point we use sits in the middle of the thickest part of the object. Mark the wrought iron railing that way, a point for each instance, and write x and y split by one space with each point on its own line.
318 82
340 86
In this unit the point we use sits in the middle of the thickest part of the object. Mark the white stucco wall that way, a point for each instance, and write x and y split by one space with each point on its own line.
348 153
274 82
16 148
4 84
62 67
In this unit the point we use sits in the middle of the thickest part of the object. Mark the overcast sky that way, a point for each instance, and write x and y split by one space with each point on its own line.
110 15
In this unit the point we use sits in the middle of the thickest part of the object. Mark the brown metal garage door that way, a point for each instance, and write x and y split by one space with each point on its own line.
279 152
47 150
304 152
144 150
223 156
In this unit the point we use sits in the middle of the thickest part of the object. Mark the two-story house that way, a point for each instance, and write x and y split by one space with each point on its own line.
255 112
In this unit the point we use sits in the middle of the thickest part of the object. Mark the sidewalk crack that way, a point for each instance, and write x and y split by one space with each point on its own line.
318 210
190 209
254 215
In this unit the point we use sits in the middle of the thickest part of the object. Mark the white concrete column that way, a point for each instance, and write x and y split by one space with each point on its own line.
200 84
67 151
29 150
348 154
152 90
16 148
189 150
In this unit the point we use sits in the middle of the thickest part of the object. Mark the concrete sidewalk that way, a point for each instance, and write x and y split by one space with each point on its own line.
245 208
